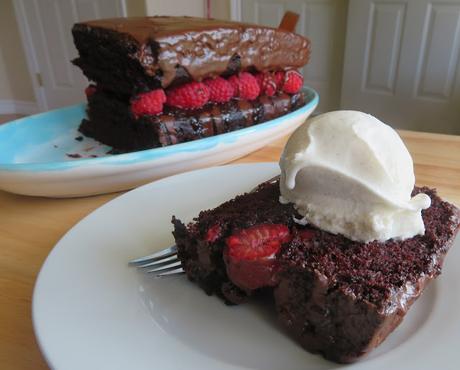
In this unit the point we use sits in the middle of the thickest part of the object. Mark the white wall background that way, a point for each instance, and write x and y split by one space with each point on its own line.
16 92
192 8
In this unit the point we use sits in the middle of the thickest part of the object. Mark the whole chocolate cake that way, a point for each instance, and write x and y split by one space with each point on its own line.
158 81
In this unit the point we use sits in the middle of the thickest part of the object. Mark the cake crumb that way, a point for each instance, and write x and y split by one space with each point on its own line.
73 155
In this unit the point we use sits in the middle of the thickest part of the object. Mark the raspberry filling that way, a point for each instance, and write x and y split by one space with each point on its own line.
90 90
191 95
148 103
213 233
245 86
250 255
220 90
194 95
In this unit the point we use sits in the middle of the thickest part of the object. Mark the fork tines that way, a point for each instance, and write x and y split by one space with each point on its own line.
161 263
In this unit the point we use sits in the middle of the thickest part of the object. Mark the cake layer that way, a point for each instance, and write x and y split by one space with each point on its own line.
111 122
130 55
342 298
337 297
203 261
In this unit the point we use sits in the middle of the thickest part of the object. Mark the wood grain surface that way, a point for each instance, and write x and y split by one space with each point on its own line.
30 227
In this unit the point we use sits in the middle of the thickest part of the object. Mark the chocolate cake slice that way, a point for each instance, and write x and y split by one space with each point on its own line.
337 297
159 81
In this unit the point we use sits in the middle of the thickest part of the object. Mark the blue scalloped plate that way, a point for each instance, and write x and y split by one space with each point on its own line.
45 155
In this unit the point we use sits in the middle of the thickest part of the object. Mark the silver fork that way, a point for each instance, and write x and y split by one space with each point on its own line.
161 263
166 262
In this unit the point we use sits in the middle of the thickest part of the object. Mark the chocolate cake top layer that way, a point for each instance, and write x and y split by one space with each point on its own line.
376 271
202 47
246 210
383 274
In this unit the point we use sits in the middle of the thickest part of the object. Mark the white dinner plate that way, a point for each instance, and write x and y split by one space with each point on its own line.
92 311
45 155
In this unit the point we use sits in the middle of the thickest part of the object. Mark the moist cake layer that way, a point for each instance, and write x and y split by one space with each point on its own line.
342 298
140 54
111 122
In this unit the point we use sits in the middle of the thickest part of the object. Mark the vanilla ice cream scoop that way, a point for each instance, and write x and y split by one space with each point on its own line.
348 173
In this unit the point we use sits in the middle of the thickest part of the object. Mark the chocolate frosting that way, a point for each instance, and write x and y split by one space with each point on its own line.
205 47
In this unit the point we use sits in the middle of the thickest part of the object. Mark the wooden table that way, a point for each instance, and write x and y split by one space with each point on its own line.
30 227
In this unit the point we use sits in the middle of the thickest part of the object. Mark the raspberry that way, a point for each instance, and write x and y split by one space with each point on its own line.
213 233
293 82
188 96
279 79
258 241
250 255
220 90
234 81
267 83
259 78
90 90
245 85
148 103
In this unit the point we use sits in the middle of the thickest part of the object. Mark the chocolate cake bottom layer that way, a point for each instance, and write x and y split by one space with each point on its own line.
337 297
111 122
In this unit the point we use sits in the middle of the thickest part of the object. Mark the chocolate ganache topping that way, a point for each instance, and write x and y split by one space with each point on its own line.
204 47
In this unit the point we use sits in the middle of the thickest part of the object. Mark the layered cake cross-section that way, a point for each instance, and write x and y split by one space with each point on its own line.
158 81
344 243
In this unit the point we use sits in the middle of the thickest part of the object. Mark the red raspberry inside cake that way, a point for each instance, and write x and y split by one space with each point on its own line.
250 255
